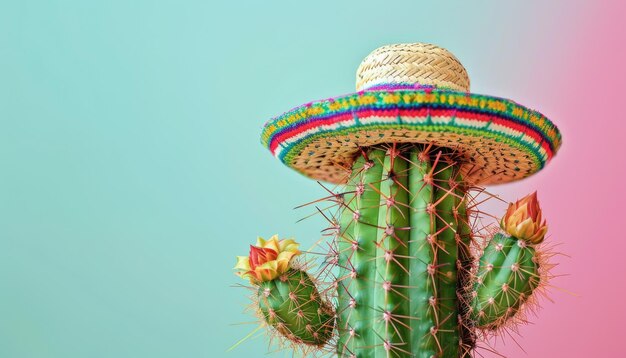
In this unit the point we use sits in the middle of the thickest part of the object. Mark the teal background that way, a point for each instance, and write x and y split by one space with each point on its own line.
131 169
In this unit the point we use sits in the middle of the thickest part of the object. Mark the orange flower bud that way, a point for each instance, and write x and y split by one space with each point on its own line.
523 220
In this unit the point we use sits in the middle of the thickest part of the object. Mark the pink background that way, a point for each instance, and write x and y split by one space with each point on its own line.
578 79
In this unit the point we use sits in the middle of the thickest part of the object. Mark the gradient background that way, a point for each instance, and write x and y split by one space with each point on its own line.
132 174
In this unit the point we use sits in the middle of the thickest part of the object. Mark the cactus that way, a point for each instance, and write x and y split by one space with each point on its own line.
407 282
293 305
287 297
508 274
404 248
509 268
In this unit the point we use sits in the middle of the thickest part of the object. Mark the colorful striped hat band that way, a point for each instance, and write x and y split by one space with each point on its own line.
414 93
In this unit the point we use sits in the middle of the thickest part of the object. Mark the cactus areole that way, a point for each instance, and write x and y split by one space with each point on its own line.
408 146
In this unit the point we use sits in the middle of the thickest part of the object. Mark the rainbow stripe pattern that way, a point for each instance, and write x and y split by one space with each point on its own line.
413 107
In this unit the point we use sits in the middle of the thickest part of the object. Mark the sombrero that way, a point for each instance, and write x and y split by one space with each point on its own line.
414 93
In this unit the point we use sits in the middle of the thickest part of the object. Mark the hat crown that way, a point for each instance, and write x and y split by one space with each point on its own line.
416 64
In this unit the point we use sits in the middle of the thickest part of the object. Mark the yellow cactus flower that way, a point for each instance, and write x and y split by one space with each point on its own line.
268 259
523 220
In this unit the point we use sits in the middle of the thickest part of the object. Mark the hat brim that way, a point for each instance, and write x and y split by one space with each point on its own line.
501 140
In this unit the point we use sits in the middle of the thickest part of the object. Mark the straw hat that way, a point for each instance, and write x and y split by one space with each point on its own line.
414 93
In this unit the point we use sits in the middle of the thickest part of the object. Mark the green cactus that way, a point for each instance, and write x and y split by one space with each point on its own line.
507 276
401 252
406 286
292 304
407 282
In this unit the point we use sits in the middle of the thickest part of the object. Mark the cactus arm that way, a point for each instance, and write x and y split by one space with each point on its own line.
390 283
293 306
506 277
445 202
422 254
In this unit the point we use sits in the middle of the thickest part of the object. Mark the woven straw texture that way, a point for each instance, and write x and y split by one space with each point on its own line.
412 63
481 155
